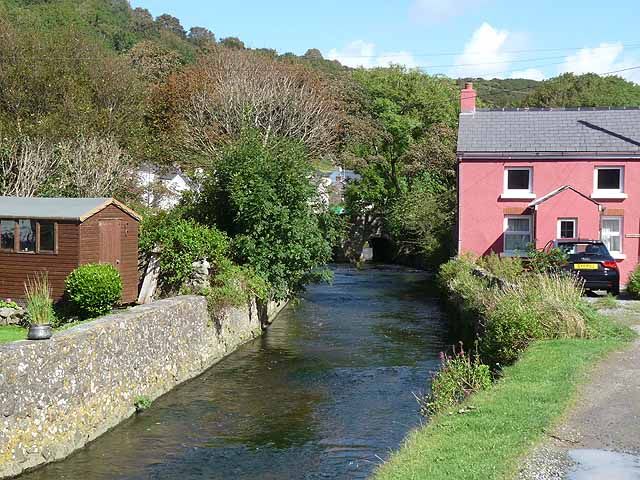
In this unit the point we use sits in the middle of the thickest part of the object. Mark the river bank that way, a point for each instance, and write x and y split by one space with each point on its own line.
60 394
326 393
549 336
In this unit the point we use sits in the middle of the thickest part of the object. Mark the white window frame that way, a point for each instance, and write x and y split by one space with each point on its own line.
517 193
608 192
575 227
619 255
512 253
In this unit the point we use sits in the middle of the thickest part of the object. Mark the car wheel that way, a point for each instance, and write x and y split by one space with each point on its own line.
615 290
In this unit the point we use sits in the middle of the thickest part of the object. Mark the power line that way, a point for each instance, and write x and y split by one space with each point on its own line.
453 54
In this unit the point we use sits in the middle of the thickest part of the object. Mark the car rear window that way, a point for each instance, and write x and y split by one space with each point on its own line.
590 249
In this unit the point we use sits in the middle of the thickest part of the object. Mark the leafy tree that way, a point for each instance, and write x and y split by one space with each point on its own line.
313 54
60 83
414 119
143 23
422 219
233 43
202 37
588 90
405 104
154 62
261 195
170 23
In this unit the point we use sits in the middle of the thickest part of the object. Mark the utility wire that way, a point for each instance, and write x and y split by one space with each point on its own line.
453 54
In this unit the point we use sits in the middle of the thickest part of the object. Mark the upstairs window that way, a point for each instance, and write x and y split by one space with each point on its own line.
28 236
517 234
518 182
608 182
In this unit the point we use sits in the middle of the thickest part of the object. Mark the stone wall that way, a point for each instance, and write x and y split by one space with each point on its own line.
57 395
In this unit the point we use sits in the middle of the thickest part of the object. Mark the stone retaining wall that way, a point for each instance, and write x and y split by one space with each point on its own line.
58 395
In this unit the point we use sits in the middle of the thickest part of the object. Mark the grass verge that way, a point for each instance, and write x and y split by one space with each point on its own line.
11 334
486 442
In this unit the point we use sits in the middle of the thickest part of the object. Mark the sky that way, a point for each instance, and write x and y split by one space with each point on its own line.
462 38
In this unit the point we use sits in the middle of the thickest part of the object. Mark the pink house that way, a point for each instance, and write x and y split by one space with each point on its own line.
532 176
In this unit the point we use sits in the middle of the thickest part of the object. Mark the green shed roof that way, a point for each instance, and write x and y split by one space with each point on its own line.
57 208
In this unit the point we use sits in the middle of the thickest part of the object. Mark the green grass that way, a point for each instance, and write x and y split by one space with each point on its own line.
11 334
509 418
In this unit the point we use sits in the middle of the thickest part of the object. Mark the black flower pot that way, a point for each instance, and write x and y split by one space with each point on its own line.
40 332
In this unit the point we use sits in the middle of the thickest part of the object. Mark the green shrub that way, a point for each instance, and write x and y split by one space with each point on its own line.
39 302
505 268
179 243
235 285
8 303
93 289
460 376
633 286
142 403
536 306
507 318
546 261
510 328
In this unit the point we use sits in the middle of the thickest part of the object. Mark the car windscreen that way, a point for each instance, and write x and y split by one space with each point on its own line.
584 249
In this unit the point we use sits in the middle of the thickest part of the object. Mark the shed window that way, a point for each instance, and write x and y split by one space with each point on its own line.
47 237
27 229
7 234
28 236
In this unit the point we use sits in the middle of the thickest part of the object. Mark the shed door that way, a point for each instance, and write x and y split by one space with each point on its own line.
110 242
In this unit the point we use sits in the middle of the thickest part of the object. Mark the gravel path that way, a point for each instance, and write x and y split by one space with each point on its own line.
606 416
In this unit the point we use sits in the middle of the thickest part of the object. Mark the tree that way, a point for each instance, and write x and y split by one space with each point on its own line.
261 195
233 43
92 167
422 219
143 23
313 54
56 85
588 90
414 118
202 37
229 91
154 62
170 23
25 167
82 167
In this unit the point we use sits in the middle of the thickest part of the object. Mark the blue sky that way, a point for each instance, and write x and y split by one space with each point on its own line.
586 35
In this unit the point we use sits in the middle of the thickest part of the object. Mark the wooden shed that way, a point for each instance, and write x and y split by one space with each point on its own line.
56 235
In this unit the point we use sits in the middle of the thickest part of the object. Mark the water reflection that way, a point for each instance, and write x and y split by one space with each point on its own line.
325 393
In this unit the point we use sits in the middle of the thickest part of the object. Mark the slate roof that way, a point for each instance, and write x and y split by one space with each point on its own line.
78 209
550 131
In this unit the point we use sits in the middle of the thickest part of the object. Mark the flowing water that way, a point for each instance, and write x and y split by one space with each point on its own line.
326 393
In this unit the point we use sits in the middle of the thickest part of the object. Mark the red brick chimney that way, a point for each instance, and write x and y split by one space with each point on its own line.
468 99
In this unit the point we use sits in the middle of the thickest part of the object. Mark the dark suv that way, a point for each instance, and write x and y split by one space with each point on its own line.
590 260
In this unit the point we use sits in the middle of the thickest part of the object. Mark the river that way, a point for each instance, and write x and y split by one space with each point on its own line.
326 393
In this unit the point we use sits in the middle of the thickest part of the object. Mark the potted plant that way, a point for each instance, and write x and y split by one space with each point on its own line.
39 307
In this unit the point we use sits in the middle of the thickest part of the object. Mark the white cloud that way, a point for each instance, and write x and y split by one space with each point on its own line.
484 54
530 73
363 54
431 11
604 58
